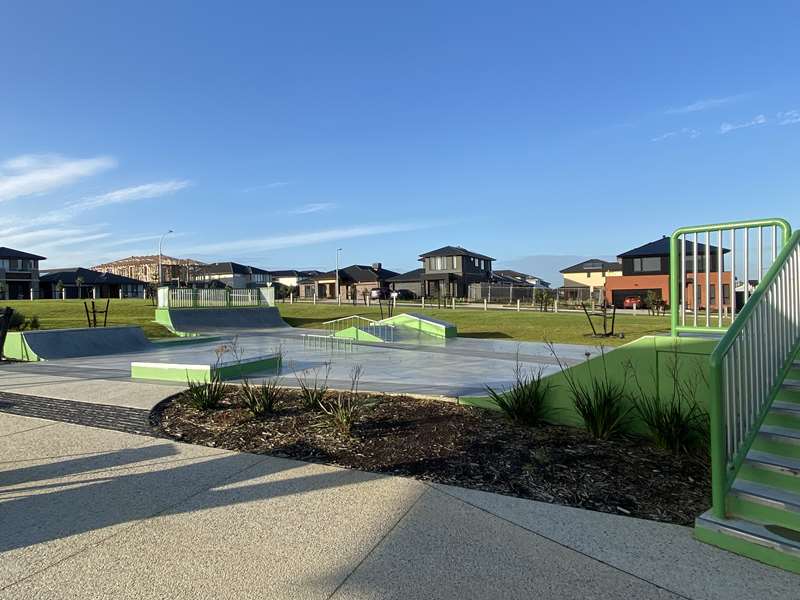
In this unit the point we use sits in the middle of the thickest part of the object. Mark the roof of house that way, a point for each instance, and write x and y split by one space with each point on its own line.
230 267
660 247
454 251
414 275
149 259
358 274
593 265
90 277
295 273
11 253
511 274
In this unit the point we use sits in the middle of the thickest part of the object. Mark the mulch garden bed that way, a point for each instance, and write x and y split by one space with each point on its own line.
463 446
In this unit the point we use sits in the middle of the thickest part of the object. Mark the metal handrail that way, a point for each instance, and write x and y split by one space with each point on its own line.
678 269
749 365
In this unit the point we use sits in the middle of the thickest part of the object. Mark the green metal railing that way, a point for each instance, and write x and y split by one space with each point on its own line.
702 252
749 365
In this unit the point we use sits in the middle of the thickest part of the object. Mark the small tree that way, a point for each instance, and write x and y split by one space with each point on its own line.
60 289
79 282
3 289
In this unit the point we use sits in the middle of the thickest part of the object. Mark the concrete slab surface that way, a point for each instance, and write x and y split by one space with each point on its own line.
89 513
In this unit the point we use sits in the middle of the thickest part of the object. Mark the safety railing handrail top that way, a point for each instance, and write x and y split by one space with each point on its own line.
736 327
350 317
782 223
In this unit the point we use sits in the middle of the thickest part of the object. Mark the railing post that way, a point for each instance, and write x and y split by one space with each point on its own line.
719 459
674 284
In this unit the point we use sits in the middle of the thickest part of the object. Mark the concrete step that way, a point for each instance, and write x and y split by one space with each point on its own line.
771 545
765 504
783 413
781 441
771 469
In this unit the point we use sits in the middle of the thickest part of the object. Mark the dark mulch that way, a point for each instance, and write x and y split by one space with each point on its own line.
463 446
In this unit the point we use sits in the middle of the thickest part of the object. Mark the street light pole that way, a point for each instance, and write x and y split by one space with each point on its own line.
160 243
338 250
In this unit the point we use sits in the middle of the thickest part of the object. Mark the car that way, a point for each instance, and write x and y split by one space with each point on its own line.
632 301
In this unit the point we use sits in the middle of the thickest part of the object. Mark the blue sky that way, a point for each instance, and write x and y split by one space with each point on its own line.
272 133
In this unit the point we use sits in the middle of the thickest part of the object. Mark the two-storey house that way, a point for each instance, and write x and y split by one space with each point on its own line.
19 274
446 272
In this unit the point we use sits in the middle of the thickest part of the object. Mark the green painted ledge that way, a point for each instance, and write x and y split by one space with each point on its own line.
357 334
204 373
764 554
423 324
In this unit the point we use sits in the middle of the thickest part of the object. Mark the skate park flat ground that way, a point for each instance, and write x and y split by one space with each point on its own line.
415 365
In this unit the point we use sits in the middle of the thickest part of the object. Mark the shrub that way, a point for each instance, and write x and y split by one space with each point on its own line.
675 420
526 401
261 399
346 407
603 404
206 396
312 391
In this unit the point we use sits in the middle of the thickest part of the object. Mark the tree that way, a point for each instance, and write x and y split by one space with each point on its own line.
3 289
79 282
60 288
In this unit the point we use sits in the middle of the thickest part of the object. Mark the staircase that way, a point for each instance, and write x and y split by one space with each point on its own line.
755 422
762 518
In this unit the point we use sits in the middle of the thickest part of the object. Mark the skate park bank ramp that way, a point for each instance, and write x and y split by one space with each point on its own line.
183 321
52 344
422 324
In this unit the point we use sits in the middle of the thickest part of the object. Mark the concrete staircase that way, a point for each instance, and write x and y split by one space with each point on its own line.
763 505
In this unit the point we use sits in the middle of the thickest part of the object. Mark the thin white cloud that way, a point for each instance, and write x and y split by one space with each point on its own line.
311 208
789 117
703 105
728 127
686 131
268 186
304 239
31 174
129 194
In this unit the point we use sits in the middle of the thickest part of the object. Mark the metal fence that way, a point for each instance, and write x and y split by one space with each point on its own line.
508 293
213 298
749 364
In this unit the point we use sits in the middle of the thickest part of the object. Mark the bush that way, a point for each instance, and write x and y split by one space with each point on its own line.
675 421
206 396
261 399
603 404
19 322
346 407
312 391
526 401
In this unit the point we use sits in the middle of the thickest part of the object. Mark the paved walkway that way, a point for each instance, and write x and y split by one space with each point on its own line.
93 513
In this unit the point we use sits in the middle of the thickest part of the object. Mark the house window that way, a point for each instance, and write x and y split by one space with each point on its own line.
647 264
726 293
712 294
588 275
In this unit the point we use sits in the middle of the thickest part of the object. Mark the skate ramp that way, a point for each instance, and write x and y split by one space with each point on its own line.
53 344
200 320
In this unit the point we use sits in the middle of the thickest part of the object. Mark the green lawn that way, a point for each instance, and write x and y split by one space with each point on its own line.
60 314
561 327
569 328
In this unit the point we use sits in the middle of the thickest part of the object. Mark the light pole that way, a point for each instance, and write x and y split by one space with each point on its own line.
160 243
338 250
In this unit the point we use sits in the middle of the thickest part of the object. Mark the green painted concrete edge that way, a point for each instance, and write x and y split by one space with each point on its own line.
747 510
742 547
186 340
423 325
203 373
358 334
649 356
17 348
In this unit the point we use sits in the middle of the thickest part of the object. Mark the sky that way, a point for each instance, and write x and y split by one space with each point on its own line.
273 133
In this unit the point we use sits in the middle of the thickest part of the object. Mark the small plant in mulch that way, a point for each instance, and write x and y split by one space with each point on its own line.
345 408
602 403
675 420
314 387
261 399
526 401
206 395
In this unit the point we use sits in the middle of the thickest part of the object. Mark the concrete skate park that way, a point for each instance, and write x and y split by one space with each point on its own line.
406 353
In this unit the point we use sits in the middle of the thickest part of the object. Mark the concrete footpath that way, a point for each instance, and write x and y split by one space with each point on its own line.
92 513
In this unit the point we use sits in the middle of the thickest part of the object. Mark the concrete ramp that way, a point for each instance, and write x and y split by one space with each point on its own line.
52 344
422 324
195 320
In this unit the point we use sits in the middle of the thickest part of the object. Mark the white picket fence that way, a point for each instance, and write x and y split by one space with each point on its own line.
214 298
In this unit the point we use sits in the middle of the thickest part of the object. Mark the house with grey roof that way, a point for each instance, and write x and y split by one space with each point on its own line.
231 274
354 281
86 283
19 274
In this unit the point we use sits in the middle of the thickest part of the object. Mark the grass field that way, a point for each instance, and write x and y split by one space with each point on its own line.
562 327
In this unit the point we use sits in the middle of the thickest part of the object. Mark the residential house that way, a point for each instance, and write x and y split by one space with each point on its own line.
232 274
511 276
292 277
354 282
19 274
145 268
408 284
451 269
87 283
587 279
646 269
